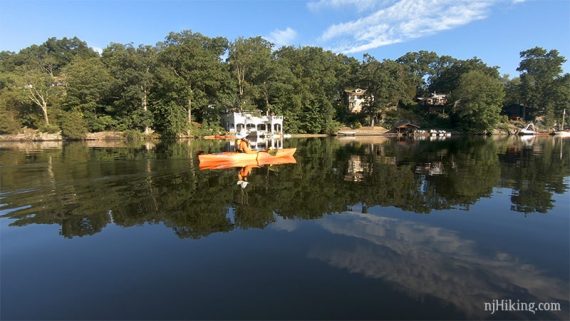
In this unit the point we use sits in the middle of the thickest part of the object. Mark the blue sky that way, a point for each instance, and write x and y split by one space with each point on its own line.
493 30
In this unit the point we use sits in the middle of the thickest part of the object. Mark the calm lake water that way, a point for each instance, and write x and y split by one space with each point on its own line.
356 229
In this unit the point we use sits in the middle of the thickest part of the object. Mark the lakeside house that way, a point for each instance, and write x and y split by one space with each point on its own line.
356 99
435 102
245 124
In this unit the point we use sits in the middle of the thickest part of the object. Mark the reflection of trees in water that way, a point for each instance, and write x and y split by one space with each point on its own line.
533 179
83 189
472 172
469 170
423 260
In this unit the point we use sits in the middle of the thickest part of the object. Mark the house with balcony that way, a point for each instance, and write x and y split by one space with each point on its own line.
357 99
435 102
249 124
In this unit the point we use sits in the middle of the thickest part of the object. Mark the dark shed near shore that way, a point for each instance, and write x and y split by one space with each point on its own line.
404 127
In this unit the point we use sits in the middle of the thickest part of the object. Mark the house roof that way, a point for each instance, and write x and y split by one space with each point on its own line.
405 124
356 91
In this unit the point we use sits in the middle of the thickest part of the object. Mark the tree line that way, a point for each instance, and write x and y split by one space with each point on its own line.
182 86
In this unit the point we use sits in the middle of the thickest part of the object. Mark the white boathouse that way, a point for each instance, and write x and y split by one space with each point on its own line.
249 124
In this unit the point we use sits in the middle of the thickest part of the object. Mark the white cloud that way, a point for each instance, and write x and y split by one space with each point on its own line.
282 37
401 21
360 5
97 49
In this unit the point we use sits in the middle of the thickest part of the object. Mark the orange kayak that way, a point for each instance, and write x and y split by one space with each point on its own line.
229 159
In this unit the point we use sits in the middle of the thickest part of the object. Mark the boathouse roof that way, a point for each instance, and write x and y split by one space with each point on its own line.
405 124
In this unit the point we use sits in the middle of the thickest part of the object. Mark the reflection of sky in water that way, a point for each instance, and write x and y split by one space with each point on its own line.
425 260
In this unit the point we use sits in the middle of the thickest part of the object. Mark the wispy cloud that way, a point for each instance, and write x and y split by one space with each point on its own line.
360 5
282 37
399 21
415 258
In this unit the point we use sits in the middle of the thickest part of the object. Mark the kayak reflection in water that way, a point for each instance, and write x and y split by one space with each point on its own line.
243 174
246 161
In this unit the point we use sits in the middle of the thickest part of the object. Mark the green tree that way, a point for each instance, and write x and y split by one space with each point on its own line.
133 69
88 83
513 91
250 63
315 88
9 122
72 124
448 73
34 75
422 66
387 83
478 101
40 88
560 92
191 71
541 79
170 118
54 54
12 102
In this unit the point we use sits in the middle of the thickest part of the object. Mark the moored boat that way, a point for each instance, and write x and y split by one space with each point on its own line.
562 133
528 130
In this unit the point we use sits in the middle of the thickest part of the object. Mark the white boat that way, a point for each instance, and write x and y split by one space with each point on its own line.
528 130
562 133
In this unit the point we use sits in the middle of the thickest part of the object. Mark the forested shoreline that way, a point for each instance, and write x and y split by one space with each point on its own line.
182 86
